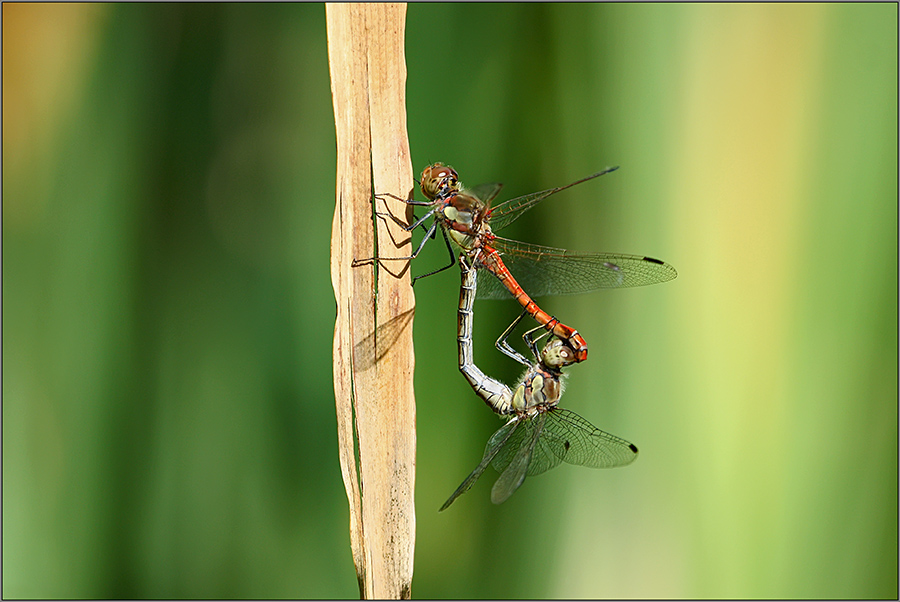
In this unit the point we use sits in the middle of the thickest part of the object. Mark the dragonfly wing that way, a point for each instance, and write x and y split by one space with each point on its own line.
484 192
505 454
509 211
514 474
583 443
548 453
495 444
542 271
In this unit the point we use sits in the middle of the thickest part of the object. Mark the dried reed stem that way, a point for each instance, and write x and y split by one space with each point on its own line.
373 351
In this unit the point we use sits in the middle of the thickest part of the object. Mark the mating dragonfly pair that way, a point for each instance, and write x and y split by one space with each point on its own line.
538 435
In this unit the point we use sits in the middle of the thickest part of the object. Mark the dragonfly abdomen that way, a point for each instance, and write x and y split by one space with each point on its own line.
491 260
494 393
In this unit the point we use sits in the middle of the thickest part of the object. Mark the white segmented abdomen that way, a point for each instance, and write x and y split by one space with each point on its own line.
492 391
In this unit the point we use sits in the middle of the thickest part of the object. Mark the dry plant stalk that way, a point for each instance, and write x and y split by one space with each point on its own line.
373 350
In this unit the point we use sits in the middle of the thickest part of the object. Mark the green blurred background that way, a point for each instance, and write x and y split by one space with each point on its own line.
168 188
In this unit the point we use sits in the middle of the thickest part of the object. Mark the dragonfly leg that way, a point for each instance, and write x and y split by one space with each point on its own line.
407 228
558 352
505 348
449 250
565 333
418 223
532 341
359 262
381 195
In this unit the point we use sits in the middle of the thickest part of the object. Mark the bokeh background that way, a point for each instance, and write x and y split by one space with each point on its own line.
168 188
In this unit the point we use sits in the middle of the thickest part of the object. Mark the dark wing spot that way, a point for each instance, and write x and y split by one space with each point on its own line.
633 447
567 445
653 260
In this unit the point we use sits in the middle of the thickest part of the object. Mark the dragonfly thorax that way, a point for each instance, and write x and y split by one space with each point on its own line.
460 219
464 212
540 389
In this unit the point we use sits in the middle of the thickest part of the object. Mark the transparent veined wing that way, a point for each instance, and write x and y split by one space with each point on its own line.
494 445
585 444
514 474
542 271
509 211
544 457
484 192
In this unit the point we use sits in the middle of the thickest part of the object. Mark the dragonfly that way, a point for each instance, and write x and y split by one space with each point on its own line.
539 435
522 270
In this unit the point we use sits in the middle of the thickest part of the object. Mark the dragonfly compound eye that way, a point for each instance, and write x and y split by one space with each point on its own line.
439 179
557 354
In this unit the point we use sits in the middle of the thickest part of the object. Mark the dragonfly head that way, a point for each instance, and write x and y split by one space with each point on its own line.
557 354
439 180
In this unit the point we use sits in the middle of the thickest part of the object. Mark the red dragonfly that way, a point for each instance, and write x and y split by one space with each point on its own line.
522 270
